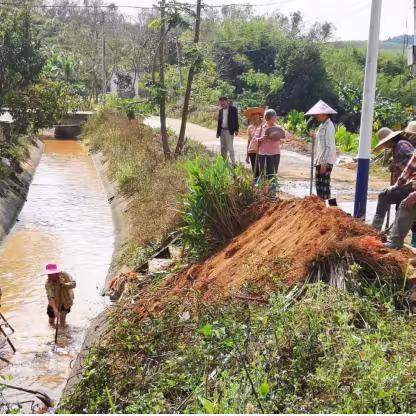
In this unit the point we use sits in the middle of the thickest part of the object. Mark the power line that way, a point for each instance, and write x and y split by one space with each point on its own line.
207 6
75 6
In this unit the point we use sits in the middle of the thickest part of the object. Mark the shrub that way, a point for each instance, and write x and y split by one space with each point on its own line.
128 107
214 203
346 141
297 123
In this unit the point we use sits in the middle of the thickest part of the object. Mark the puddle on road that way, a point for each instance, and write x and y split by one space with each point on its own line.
66 220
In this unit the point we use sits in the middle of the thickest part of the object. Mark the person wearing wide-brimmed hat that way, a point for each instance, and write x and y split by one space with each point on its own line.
402 151
409 133
254 132
406 214
326 151
59 291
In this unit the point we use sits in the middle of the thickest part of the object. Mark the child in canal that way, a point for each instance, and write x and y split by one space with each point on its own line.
59 290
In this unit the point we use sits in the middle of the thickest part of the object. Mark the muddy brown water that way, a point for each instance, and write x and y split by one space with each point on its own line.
66 220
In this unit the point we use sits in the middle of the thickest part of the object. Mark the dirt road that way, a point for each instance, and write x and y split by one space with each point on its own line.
293 166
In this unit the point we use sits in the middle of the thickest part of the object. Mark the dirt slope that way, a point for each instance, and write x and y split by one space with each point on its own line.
280 248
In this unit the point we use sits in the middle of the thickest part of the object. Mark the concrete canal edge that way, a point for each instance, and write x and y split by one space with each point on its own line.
16 191
101 323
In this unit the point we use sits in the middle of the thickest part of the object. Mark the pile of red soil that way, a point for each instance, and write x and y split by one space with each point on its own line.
279 249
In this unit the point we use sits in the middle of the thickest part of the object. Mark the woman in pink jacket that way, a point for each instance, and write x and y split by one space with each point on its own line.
269 148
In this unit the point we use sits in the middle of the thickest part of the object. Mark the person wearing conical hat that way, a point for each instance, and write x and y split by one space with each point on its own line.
254 132
326 151
402 150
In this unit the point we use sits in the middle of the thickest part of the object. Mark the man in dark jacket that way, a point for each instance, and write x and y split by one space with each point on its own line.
227 128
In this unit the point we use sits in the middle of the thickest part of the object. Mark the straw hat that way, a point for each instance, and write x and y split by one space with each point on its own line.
274 133
52 269
411 128
254 110
321 107
385 135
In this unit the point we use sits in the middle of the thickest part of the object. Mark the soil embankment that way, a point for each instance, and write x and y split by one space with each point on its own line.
280 248
14 191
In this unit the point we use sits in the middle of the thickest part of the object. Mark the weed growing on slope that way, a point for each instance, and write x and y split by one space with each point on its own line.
329 352
214 203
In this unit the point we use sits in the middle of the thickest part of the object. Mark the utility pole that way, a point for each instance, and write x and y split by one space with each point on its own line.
367 112
414 22
414 38
104 75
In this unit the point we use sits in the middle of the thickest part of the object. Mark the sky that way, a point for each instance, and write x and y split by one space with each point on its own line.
350 17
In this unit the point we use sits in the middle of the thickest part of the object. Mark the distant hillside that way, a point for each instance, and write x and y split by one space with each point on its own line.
407 39
395 43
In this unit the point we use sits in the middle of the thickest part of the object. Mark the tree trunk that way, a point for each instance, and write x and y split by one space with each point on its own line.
162 91
179 56
191 73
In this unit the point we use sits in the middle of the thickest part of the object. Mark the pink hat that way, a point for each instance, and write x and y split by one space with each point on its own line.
52 269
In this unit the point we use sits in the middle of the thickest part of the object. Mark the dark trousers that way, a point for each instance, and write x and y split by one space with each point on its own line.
323 182
388 197
269 165
254 166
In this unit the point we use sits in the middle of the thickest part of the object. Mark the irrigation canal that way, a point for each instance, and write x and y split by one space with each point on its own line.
66 220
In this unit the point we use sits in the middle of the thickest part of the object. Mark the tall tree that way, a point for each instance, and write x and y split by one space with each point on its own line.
196 63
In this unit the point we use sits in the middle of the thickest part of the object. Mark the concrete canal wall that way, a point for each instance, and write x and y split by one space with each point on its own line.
13 192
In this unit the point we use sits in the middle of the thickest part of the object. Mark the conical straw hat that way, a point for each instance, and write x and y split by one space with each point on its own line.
321 107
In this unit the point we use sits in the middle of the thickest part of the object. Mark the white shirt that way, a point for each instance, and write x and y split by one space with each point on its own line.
224 124
326 150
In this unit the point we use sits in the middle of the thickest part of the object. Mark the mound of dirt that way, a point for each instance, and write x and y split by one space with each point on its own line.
279 249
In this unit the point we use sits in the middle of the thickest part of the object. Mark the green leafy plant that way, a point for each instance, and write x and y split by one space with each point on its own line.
297 123
213 205
327 352
346 141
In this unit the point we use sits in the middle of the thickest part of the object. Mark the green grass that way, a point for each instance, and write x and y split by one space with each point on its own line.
329 352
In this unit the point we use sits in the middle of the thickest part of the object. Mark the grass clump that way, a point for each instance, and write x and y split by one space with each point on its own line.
329 352
214 204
